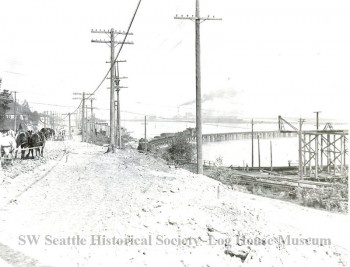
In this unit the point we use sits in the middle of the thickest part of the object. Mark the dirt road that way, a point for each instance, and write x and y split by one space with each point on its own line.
156 216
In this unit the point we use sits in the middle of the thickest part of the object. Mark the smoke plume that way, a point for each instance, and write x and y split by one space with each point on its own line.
223 93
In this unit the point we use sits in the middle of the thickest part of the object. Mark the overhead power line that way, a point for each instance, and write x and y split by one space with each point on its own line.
116 57
120 48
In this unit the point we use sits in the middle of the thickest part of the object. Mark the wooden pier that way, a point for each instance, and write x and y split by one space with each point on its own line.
222 137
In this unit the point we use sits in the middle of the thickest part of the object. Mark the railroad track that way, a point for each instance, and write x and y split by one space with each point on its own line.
267 180
275 181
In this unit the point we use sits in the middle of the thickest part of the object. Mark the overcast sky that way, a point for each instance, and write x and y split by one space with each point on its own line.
266 58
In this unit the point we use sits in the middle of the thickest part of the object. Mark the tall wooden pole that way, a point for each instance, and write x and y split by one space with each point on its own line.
45 119
271 155
112 111
321 151
116 123
69 126
92 122
86 124
53 121
259 150
316 146
15 112
119 140
334 154
300 150
83 120
310 156
199 139
146 133
49 114
198 93
342 153
252 143
112 43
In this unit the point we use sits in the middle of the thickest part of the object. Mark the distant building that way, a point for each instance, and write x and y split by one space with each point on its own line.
22 116
10 114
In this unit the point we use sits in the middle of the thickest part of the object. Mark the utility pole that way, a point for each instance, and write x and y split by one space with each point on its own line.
118 87
145 133
53 121
271 155
116 123
87 134
92 122
69 126
112 43
300 149
69 115
83 119
112 113
252 143
44 119
197 19
49 119
259 151
15 112
316 146
317 119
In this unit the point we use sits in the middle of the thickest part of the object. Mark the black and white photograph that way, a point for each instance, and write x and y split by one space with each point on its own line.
187 133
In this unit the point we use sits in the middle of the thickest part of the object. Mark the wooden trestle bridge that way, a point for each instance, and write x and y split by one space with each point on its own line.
220 137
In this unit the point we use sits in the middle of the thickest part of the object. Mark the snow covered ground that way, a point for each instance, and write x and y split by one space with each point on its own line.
129 209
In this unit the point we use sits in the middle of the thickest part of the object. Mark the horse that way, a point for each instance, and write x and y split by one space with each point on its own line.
47 132
36 141
43 141
8 146
22 142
